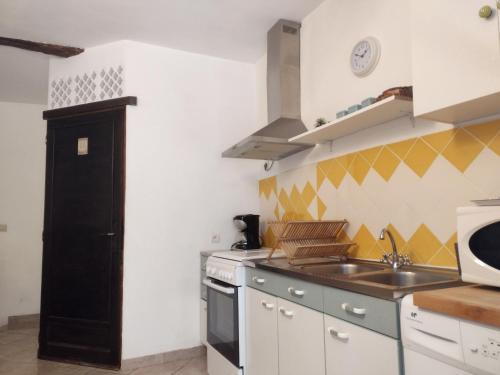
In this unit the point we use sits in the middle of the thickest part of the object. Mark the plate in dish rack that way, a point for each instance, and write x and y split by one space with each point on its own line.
487 202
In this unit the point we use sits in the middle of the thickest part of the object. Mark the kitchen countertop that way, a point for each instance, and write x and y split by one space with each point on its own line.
349 282
477 303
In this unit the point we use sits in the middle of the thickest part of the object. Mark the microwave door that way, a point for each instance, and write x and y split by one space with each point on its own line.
222 319
485 245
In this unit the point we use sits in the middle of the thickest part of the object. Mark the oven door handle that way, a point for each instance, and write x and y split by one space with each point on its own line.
212 285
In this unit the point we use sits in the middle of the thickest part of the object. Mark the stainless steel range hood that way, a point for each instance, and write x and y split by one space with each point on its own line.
283 99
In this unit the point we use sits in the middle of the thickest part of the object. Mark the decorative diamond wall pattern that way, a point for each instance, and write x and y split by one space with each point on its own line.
100 84
61 92
412 186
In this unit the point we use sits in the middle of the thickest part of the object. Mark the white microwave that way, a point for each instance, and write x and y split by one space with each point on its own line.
479 244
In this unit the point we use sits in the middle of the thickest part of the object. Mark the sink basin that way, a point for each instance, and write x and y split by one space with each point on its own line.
327 270
405 278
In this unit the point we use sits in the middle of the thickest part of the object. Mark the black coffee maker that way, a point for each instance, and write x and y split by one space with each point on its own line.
248 225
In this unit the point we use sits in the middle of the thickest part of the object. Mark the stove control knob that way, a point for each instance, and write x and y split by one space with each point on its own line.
230 276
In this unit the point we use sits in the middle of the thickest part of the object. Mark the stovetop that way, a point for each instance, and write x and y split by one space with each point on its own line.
241 255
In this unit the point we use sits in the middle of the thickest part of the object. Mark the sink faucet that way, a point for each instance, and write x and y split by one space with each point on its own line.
395 260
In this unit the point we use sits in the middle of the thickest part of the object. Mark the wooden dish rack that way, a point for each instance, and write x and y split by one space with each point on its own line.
303 240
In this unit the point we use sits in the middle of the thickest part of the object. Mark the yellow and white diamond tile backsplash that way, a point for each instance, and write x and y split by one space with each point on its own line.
414 186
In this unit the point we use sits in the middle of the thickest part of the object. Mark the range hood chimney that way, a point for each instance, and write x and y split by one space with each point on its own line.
283 99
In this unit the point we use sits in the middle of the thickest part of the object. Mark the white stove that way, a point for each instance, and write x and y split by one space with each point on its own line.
227 266
226 309
241 255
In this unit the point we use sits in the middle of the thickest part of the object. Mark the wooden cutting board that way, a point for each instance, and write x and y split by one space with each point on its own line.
477 303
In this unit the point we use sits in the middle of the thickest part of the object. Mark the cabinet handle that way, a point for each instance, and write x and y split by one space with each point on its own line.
486 11
258 280
267 306
337 334
296 293
287 313
108 234
353 310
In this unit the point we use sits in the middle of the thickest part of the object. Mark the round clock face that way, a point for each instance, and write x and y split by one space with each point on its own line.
365 56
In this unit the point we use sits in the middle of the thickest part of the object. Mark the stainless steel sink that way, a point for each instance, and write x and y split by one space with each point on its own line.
405 278
327 270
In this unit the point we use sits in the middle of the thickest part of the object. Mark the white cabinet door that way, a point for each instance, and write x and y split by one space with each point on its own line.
455 53
261 333
354 350
301 340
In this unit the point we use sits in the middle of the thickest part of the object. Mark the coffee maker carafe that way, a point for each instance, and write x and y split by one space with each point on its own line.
248 225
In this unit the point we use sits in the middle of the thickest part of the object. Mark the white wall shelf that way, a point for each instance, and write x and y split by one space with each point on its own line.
386 110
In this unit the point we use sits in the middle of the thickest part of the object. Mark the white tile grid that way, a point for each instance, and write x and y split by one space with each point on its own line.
406 200
452 189
87 87
298 177
344 205
328 195
313 208
375 188
480 174
267 207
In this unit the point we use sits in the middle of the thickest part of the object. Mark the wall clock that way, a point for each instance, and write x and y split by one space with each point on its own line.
365 56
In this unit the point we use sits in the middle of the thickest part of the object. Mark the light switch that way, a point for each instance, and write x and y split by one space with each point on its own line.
3 227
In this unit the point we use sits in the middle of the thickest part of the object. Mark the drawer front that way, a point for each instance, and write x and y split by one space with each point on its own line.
376 314
298 291
262 280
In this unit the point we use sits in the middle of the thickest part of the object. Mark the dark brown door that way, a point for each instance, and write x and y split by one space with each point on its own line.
83 239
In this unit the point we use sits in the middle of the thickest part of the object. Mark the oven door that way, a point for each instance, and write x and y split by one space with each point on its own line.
222 319
485 245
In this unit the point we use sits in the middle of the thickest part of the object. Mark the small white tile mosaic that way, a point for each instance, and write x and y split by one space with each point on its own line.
100 84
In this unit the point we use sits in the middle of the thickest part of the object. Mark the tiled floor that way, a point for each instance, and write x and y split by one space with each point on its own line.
18 357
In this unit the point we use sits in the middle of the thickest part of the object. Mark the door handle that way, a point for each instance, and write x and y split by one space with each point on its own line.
353 310
109 234
267 306
258 280
219 288
287 313
337 334
295 292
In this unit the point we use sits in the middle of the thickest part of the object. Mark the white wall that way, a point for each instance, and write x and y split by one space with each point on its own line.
328 35
179 189
22 171
93 59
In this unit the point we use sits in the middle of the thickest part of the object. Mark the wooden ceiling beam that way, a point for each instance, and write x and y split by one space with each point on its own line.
48 49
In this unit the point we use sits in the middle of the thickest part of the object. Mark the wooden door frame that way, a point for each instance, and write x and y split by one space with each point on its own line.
54 116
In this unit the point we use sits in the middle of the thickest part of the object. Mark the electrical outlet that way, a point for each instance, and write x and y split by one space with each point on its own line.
215 238
3 227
